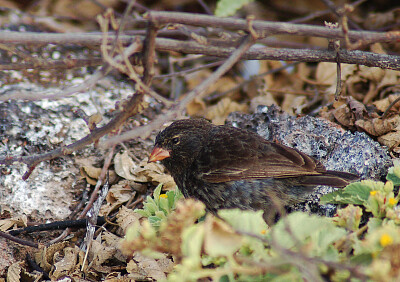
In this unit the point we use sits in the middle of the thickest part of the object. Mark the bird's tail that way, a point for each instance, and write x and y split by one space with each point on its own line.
331 178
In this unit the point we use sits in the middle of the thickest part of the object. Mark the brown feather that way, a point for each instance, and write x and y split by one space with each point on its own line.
263 159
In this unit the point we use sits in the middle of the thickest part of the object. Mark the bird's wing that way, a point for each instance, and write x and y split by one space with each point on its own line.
233 154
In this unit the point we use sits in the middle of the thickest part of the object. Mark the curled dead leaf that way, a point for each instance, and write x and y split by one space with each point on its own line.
124 165
91 174
357 108
45 256
154 173
378 126
391 139
126 217
383 104
344 115
67 262
8 223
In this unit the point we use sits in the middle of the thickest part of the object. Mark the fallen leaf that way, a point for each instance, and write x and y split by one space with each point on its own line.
378 126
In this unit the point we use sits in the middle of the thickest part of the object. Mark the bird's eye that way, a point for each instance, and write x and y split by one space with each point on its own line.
175 140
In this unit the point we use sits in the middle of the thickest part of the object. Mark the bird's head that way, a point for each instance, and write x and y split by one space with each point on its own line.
179 144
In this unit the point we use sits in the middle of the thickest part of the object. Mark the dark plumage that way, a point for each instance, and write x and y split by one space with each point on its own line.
227 167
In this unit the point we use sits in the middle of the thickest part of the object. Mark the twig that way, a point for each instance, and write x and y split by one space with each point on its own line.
56 225
262 27
149 52
389 107
53 64
18 240
255 53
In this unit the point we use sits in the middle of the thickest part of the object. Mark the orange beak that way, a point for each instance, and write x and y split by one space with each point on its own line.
158 154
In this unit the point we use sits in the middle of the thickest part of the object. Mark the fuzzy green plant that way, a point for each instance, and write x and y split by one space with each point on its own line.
158 207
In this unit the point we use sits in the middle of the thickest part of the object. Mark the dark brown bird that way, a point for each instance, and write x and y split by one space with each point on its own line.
227 167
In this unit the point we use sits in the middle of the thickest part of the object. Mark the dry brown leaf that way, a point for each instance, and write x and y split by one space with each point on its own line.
100 253
8 4
223 84
19 221
292 102
326 73
94 120
16 272
391 139
118 194
127 217
383 104
134 272
371 73
124 165
264 100
91 174
67 262
196 107
150 267
45 256
344 115
82 9
114 241
358 109
154 173
391 77
222 109
378 126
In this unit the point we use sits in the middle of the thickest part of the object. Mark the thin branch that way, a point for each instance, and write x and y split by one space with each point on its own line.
266 27
53 64
149 52
254 53
18 240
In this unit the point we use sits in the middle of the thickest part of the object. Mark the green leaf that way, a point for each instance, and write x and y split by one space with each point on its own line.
163 202
318 233
155 221
245 221
192 242
157 193
355 193
394 175
226 8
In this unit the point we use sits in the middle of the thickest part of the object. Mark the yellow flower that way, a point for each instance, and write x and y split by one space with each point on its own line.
392 201
386 240
373 192
163 196
263 231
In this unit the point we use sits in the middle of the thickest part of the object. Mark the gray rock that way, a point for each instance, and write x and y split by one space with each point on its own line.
335 147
